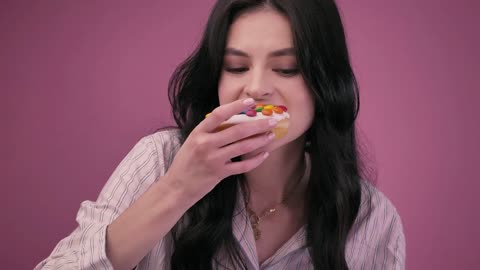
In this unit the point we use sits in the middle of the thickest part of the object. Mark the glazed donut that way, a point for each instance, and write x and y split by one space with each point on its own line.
261 111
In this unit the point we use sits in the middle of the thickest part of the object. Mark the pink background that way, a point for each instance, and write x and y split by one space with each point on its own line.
82 81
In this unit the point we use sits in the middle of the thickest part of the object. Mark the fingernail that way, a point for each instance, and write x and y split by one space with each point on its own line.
272 122
271 135
248 101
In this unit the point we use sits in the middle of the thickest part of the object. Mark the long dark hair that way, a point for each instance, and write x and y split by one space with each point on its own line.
334 189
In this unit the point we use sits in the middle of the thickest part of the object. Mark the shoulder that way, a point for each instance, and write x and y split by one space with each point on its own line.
166 139
377 213
378 228
162 141
375 204
158 148
167 142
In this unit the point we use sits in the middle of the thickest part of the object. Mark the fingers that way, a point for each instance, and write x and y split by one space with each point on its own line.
246 165
245 146
224 112
238 140
243 130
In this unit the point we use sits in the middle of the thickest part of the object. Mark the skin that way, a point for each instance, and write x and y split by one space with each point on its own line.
260 63
200 164
270 167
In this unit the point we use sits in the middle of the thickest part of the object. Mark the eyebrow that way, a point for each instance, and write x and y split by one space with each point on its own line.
277 53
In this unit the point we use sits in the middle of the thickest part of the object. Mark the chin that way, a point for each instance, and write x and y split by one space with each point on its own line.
273 146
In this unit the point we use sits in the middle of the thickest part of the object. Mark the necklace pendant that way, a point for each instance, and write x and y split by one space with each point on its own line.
255 222
256 233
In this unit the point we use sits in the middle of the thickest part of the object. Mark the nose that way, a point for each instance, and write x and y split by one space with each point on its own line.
258 86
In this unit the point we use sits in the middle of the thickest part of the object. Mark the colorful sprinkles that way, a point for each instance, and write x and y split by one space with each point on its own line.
265 109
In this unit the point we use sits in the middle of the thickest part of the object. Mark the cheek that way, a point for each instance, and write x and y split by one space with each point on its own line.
227 92
225 96
307 101
306 116
222 91
221 95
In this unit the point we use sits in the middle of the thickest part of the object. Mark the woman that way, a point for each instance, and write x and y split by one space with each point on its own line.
197 198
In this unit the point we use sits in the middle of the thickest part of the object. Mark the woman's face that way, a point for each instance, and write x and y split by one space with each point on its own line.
260 63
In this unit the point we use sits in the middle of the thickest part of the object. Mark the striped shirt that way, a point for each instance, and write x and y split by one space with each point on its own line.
376 240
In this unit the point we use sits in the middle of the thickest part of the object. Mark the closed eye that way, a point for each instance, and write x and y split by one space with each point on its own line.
236 70
287 72
283 72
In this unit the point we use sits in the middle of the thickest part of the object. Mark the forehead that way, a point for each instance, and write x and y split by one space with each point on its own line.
260 29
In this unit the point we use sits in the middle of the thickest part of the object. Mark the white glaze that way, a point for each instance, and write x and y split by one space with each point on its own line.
241 118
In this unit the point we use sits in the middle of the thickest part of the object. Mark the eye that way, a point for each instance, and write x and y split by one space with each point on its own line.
287 72
236 70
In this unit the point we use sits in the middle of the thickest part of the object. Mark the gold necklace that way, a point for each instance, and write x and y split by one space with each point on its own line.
255 219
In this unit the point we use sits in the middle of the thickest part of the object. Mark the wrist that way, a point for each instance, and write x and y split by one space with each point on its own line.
174 189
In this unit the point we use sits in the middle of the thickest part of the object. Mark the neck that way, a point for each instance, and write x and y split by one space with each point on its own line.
277 176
